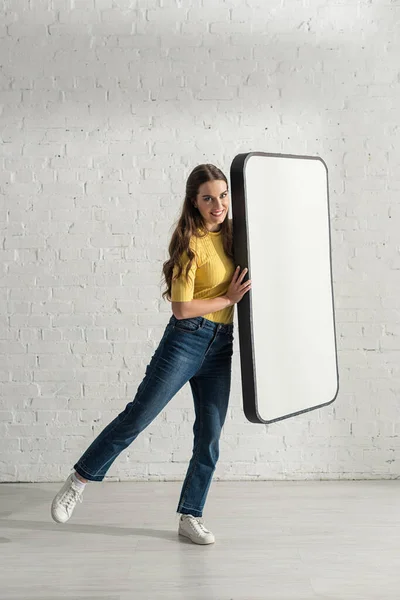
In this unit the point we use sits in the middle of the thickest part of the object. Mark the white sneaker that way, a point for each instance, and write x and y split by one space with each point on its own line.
194 529
65 501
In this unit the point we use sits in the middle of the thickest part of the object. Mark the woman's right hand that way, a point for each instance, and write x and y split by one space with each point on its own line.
237 289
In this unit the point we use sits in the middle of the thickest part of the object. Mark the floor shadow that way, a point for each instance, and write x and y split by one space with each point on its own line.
20 497
93 529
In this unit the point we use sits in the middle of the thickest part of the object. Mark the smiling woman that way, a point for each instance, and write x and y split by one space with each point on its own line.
204 214
213 202
201 277
200 269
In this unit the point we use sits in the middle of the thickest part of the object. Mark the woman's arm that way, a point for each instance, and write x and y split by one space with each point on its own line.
198 308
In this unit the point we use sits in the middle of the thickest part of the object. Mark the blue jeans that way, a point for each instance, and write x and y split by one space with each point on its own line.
194 350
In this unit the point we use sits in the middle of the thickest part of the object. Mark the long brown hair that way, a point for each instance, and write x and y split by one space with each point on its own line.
190 223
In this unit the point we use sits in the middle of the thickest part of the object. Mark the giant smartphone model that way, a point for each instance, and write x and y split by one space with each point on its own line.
281 232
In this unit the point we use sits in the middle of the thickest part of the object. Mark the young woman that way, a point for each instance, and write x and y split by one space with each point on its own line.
203 286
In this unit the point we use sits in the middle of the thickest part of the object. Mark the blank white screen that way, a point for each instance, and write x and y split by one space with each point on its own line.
289 264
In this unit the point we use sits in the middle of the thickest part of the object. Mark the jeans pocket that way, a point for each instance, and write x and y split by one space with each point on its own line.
188 325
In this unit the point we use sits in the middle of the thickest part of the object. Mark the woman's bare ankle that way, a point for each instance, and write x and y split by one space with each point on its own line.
81 478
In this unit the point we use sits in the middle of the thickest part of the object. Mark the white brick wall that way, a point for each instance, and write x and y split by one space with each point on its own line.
105 107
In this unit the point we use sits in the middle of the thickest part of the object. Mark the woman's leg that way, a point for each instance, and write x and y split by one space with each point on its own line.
172 365
177 358
211 389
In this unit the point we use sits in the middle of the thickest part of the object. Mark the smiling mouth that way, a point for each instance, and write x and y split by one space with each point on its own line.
218 214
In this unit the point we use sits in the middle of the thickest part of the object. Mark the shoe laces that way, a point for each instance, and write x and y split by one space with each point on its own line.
199 522
71 496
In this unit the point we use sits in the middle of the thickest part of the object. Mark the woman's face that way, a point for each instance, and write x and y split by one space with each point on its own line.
212 200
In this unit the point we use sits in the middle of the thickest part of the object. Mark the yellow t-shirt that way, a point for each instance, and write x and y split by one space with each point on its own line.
209 277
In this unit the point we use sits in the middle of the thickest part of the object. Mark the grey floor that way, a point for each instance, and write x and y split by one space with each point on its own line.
281 540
